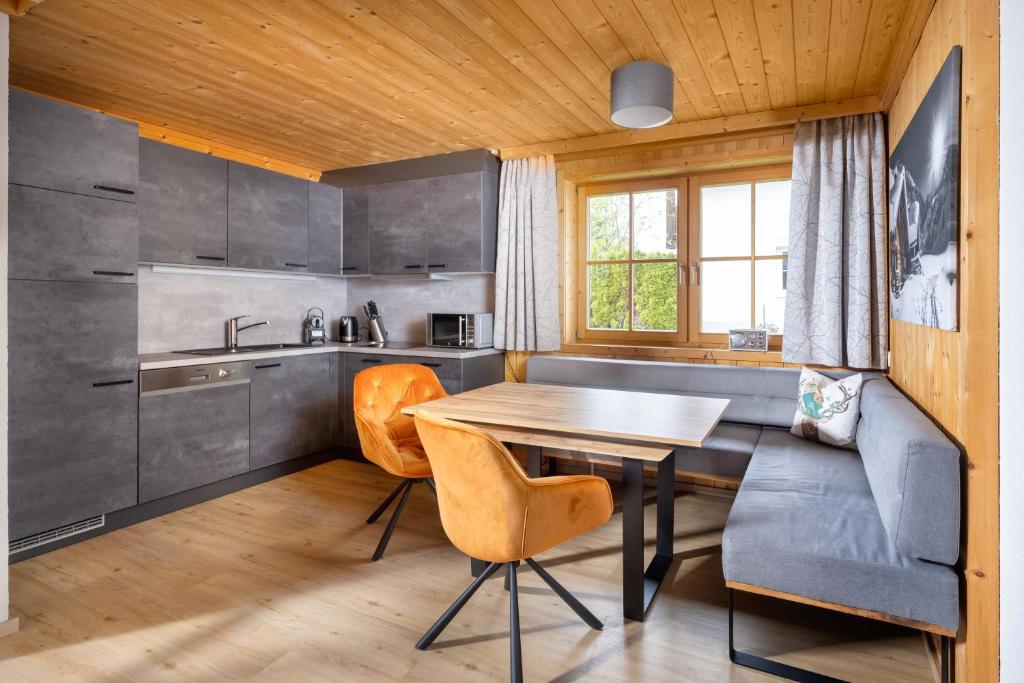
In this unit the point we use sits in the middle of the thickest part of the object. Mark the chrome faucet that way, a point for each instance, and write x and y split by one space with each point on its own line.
234 329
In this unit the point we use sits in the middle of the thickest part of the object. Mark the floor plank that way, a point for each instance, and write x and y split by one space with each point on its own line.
275 583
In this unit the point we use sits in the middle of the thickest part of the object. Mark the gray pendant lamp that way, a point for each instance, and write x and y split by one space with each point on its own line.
642 95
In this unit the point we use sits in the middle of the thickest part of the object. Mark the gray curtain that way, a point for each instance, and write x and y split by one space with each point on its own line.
836 297
526 273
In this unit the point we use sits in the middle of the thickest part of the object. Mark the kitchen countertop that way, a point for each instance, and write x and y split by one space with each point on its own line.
157 361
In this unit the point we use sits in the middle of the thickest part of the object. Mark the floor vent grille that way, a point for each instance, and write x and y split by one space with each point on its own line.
57 534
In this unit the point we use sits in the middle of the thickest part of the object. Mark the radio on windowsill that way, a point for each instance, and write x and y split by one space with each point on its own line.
748 340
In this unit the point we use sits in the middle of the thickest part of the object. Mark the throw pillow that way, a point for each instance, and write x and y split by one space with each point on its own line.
828 409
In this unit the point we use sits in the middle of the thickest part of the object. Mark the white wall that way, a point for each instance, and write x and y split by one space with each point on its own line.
4 62
404 303
1011 331
186 311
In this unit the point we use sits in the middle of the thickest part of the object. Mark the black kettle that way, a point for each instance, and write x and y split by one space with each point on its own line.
348 329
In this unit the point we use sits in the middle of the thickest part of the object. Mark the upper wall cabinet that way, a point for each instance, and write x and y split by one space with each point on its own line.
427 215
268 220
60 147
356 235
183 206
324 229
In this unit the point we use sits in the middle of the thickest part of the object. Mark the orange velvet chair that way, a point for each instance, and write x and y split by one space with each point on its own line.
492 511
387 437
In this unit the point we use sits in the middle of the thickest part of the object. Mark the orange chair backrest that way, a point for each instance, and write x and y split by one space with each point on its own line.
482 491
378 396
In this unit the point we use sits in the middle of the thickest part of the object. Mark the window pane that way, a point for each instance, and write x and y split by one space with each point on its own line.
771 218
724 295
608 290
770 294
725 220
654 224
654 296
608 227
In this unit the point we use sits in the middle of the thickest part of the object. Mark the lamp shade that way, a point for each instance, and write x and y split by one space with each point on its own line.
641 95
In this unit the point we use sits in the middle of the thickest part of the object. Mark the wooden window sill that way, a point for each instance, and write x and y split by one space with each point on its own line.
702 354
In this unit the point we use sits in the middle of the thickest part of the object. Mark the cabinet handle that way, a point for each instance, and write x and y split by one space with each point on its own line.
437 265
113 383
296 265
350 267
115 273
268 365
431 365
108 188
416 266
210 258
372 360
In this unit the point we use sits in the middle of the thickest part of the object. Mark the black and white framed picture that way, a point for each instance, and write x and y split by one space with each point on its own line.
924 207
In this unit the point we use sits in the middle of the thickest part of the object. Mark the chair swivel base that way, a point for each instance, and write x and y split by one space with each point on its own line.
403 490
512 585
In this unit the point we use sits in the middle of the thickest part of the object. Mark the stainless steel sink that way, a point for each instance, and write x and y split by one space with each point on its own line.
254 348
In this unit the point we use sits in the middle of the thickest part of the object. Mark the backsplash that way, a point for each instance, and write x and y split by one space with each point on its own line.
404 304
185 310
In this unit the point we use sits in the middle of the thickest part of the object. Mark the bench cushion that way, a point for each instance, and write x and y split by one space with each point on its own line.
805 522
726 451
759 396
914 472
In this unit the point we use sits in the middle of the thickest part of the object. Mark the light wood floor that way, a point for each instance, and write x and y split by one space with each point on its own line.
275 583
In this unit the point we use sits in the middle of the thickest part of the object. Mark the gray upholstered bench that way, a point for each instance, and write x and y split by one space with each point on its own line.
873 532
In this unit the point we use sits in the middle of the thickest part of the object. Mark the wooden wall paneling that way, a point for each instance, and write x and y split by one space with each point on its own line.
705 34
914 21
954 375
884 22
739 29
849 18
811 21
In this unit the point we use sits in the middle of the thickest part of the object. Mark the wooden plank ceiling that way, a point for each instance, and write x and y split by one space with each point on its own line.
335 83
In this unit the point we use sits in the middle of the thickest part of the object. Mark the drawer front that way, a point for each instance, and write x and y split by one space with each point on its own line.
62 147
191 438
73 453
290 408
62 236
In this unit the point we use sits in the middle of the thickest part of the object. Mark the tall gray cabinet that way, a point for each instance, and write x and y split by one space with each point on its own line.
73 308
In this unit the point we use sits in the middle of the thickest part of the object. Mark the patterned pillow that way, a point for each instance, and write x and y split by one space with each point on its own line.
828 409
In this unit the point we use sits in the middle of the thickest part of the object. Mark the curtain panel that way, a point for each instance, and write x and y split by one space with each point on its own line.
526 271
836 295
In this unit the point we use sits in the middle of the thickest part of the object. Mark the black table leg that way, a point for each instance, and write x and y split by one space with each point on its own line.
533 459
639 585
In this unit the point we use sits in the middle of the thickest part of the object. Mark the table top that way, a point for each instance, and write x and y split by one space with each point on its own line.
610 413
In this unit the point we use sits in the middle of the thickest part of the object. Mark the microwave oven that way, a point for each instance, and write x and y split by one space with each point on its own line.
460 330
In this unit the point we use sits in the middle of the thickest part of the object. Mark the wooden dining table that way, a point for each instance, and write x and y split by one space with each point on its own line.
630 427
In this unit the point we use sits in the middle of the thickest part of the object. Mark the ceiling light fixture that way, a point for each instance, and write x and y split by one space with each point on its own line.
642 95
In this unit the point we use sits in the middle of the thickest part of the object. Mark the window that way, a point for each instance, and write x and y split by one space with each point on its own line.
683 260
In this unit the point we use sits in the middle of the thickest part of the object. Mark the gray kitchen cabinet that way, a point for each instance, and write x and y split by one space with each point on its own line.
188 443
268 220
398 218
183 206
324 229
62 147
73 435
290 408
63 236
462 226
356 233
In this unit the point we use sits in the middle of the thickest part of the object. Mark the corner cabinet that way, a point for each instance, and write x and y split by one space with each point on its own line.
430 215
268 220
324 229
183 206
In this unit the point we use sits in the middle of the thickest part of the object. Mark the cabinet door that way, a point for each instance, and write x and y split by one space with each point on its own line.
62 236
356 232
268 220
324 229
73 402
191 438
62 147
398 227
290 408
455 234
183 206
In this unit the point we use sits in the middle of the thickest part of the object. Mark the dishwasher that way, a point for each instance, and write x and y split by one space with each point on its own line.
193 426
